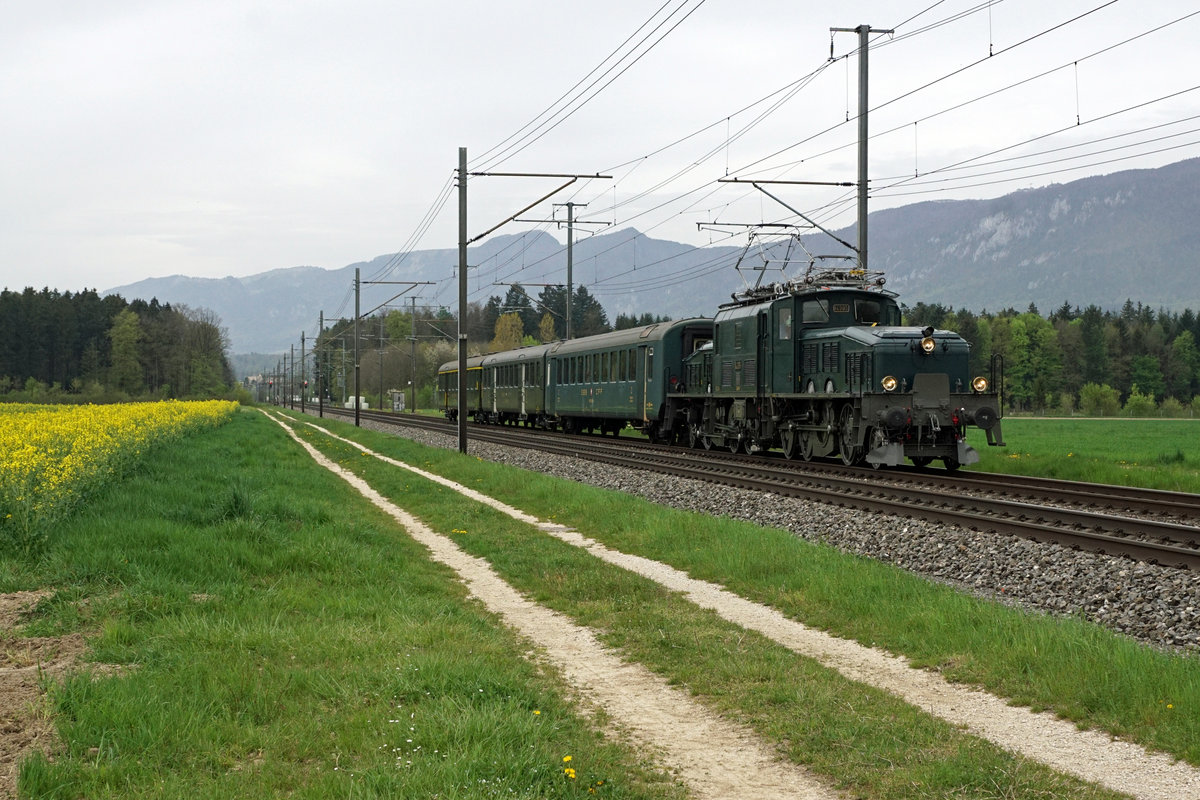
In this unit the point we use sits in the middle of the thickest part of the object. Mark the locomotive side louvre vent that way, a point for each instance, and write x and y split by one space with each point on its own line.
750 372
726 374
854 368
830 352
809 359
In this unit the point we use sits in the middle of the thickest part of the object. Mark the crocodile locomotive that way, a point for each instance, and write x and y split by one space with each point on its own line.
818 366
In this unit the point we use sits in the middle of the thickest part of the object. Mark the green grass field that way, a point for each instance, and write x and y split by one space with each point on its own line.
1157 454
277 636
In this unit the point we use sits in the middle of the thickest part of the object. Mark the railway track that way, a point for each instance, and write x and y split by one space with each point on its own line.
1141 524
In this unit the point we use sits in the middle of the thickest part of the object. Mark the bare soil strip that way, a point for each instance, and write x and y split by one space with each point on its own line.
1091 755
25 723
713 757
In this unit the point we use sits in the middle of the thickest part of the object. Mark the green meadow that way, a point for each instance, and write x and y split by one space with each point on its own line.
256 629
1151 453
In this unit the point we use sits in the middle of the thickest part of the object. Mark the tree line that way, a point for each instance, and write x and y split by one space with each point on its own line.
81 347
1136 360
86 348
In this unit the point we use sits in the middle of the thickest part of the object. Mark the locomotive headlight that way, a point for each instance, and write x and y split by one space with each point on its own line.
928 345
889 384
980 384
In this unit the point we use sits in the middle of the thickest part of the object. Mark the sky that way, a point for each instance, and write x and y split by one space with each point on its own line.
148 138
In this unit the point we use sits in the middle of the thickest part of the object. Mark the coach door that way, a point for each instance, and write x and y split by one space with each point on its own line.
524 365
493 383
645 383
762 371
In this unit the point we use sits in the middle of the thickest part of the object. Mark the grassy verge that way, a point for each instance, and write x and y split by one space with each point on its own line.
1077 669
1152 453
278 637
863 740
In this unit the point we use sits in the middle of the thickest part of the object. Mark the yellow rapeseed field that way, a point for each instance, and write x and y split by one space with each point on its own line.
51 456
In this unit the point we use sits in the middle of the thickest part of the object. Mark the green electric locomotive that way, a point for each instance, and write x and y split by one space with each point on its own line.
821 366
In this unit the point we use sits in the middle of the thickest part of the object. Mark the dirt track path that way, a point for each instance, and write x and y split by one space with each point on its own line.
1090 755
713 757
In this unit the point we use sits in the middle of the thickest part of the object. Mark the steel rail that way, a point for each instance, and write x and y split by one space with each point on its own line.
1169 543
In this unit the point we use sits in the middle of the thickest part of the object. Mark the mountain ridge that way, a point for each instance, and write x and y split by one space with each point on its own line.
1095 241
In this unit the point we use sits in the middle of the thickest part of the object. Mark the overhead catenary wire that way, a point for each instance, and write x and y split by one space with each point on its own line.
558 117
700 193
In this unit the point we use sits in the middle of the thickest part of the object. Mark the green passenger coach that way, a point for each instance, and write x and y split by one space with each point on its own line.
604 382
597 383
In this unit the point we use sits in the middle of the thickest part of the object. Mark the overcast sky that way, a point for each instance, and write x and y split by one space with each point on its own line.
213 138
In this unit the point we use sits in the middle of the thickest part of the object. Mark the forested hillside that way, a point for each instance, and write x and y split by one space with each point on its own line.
86 348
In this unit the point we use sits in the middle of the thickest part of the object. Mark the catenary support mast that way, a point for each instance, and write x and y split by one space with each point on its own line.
864 32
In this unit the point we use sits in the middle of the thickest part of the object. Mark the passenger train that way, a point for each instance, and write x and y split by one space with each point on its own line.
815 367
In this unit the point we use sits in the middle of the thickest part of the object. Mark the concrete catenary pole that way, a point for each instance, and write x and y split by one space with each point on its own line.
319 363
570 264
357 312
462 299
864 32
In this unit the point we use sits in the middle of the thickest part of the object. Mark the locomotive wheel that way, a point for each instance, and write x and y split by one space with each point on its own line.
921 461
827 420
806 446
789 439
695 437
568 426
734 444
951 464
850 451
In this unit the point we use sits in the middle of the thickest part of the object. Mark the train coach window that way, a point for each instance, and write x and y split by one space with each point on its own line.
632 364
624 371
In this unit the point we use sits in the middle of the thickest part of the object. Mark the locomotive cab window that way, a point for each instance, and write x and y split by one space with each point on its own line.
867 312
814 311
785 324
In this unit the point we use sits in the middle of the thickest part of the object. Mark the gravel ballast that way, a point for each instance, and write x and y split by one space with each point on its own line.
1153 604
